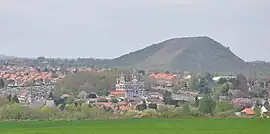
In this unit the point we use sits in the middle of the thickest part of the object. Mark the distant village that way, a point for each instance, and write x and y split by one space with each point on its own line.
35 87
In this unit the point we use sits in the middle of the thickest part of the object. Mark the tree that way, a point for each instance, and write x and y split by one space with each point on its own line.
92 81
205 90
225 88
15 99
221 81
50 95
152 106
141 72
51 113
257 112
185 110
223 106
103 92
167 97
149 113
203 82
9 97
193 83
3 101
2 84
114 101
207 105
197 101
185 85
209 77
19 112
141 107
55 75
162 108
131 113
179 84
40 59
240 83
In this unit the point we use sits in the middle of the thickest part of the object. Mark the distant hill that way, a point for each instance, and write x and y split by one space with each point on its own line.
3 57
195 54
261 68
190 54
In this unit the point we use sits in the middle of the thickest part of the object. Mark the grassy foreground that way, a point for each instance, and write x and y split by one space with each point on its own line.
140 126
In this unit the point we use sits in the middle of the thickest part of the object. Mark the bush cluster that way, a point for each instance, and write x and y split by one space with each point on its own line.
19 112
79 110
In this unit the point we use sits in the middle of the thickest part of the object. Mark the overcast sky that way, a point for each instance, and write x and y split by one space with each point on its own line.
110 28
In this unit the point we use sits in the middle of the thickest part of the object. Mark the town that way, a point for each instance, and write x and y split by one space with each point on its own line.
132 92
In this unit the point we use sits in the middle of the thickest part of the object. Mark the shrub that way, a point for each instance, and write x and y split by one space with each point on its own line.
207 105
114 100
131 113
185 110
71 108
93 113
223 106
51 113
225 114
169 114
149 113
3 101
152 106
196 113
68 115
69 100
177 110
162 108
141 107
19 112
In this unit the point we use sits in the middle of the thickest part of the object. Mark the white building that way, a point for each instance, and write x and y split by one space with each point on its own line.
223 77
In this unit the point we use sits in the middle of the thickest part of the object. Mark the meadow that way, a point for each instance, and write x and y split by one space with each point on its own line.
140 126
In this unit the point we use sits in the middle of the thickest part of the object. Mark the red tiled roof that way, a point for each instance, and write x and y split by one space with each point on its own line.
119 93
248 111
162 76
65 95
123 103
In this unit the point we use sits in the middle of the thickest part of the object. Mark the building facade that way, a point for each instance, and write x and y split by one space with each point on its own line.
132 88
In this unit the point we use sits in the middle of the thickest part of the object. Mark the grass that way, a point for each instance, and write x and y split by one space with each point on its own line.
140 126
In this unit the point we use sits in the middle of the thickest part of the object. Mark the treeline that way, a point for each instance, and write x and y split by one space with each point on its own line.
205 107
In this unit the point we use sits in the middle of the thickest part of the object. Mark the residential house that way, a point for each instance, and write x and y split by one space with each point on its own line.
247 112
163 79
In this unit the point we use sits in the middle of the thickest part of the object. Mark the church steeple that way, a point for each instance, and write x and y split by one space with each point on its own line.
122 78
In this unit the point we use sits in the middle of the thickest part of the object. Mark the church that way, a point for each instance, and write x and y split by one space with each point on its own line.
132 86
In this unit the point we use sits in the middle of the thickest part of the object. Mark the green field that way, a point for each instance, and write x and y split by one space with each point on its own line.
140 126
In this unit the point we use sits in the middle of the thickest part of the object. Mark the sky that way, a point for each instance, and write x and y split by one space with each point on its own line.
110 28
